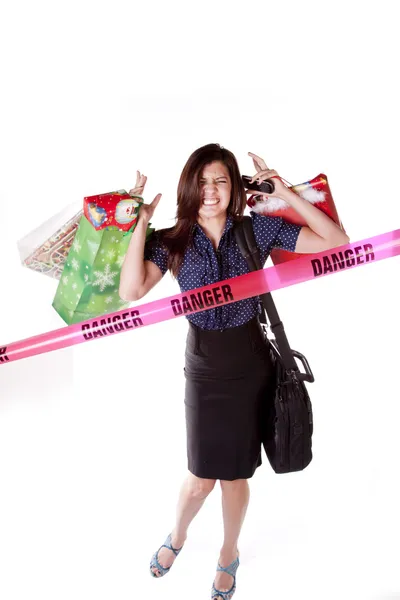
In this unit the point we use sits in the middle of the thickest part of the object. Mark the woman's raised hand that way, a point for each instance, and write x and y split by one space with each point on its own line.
146 211
263 173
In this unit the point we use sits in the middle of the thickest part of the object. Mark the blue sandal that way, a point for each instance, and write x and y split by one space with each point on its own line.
231 570
154 562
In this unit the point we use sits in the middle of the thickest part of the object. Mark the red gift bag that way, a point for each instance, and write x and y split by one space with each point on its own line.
316 191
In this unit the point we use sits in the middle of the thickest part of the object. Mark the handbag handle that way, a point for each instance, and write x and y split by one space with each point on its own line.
308 375
244 234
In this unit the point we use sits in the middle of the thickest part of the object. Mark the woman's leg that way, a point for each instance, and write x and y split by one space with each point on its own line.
192 496
235 500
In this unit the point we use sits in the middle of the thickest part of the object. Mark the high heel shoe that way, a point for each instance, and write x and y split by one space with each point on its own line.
231 570
154 562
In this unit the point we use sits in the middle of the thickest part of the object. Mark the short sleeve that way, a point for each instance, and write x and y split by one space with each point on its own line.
156 252
286 238
274 232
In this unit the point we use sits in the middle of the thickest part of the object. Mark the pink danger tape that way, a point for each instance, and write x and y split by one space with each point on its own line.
255 283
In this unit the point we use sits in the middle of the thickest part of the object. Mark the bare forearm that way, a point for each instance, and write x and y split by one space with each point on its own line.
133 272
316 220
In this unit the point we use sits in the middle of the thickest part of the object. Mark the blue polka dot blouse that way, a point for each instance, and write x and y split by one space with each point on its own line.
203 265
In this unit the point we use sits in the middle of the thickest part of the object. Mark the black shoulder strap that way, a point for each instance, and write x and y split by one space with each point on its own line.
244 234
249 251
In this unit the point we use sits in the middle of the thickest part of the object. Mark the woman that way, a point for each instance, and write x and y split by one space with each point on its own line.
227 364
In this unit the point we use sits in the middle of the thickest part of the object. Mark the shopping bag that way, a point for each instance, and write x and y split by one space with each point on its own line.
46 248
89 282
316 191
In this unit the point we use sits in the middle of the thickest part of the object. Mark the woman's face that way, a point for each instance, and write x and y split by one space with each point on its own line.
215 190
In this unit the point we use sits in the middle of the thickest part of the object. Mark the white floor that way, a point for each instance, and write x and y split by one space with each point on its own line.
90 470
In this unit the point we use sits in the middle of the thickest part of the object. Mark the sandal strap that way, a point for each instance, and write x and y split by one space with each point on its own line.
225 595
155 563
168 544
230 569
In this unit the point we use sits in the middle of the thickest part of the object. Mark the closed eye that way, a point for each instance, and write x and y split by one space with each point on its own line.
219 181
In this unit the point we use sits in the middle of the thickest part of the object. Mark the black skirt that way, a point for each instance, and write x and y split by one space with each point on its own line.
229 384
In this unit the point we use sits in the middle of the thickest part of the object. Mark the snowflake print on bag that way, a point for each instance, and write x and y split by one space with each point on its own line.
75 264
76 245
104 278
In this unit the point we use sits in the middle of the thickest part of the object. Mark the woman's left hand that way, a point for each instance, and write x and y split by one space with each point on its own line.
263 173
139 186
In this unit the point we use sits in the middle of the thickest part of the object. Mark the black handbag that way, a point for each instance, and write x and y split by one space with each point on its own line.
288 425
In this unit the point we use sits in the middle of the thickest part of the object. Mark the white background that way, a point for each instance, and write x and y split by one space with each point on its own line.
92 439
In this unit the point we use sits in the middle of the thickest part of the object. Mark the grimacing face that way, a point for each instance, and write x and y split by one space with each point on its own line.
215 191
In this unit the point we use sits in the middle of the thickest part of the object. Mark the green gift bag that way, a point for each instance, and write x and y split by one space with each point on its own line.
89 282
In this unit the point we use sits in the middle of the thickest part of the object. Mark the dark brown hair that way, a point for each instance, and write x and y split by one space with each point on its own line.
177 238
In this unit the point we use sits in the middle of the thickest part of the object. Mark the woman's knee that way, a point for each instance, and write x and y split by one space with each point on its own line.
199 487
235 484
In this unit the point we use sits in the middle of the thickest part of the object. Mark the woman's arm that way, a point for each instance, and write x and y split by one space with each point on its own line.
138 276
321 233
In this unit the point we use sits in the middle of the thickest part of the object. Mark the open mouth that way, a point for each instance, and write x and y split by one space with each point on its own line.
210 201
